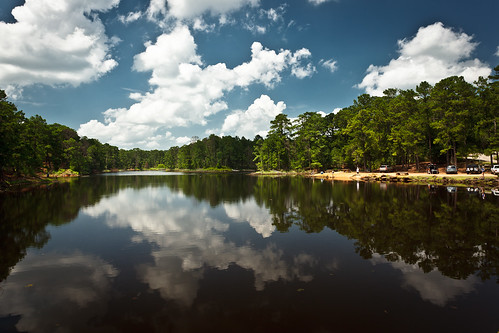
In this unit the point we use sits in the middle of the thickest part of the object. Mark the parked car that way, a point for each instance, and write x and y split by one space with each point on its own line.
451 169
432 169
385 168
473 168
495 169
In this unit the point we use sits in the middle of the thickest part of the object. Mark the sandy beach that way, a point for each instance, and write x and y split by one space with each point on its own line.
407 177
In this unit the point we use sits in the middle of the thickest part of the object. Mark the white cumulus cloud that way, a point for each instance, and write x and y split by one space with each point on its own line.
185 91
298 68
189 9
55 42
436 52
200 25
131 17
317 2
331 65
255 120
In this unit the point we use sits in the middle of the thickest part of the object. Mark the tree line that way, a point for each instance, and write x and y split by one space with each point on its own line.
436 123
30 145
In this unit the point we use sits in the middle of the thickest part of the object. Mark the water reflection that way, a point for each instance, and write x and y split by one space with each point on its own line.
431 286
249 211
190 246
189 237
54 291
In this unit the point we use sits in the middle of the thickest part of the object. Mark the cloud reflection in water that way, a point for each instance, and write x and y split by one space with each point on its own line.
65 290
249 211
433 286
190 238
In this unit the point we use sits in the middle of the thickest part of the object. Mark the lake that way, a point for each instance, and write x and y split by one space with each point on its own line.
169 252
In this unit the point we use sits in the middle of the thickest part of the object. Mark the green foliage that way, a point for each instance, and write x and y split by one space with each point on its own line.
443 122
11 123
310 144
222 169
452 103
30 145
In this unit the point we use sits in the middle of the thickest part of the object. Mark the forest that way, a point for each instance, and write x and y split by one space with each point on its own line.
29 146
440 123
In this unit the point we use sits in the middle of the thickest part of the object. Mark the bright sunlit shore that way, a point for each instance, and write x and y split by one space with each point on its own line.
412 177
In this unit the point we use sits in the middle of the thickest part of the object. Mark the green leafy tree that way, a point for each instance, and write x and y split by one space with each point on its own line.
35 145
310 143
184 158
452 101
73 154
280 140
489 97
265 157
198 154
11 122
425 116
406 133
111 157
367 132
171 157
338 138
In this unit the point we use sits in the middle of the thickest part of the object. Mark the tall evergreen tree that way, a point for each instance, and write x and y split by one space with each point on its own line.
452 102
280 140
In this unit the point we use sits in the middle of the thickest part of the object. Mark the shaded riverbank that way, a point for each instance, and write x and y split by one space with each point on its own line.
12 182
17 183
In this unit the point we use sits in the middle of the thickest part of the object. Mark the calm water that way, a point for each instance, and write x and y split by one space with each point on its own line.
163 252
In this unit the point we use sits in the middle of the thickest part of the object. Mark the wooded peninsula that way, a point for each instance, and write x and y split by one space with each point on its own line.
440 123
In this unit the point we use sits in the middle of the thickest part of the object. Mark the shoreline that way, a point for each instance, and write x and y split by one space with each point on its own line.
488 180
27 183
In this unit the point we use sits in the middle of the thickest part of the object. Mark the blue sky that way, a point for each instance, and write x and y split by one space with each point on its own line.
153 73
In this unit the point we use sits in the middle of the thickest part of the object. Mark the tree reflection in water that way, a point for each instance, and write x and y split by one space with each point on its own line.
455 232
194 246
